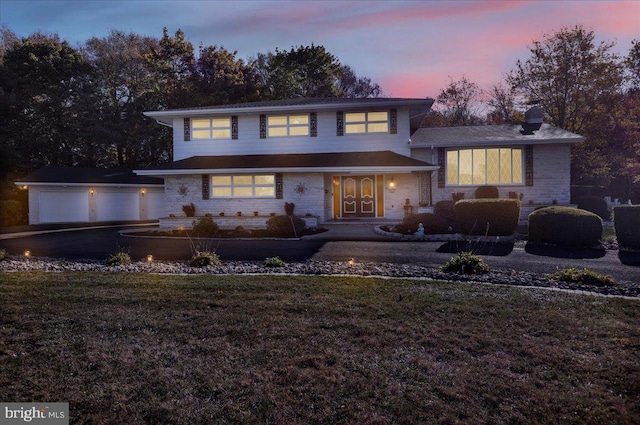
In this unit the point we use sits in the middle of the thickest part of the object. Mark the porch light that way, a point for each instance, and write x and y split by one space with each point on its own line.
392 185
24 187
92 192
142 192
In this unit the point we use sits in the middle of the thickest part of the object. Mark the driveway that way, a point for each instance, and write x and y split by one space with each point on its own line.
333 246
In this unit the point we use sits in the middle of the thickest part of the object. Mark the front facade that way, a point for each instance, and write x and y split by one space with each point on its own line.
335 159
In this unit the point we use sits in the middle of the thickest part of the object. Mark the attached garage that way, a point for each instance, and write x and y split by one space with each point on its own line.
117 205
85 195
63 206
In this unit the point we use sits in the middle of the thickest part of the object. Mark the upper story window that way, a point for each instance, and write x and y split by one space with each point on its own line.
287 125
484 166
211 128
366 122
243 186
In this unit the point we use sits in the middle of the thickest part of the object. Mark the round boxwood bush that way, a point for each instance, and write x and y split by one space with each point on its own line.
487 192
433 224
283 226
594 204
565 226
445 210
627 222
491 217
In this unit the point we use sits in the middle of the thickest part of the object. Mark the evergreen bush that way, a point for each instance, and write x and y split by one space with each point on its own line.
286 226
12 213
466 263
205 227
565 226
119 259
433 224
204 259
445 209
596 205
487 192
627 223
275 262
490 217
189 210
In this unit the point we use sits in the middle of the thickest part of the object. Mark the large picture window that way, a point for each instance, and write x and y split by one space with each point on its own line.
211 128
287 125
484 166
366 122
243 186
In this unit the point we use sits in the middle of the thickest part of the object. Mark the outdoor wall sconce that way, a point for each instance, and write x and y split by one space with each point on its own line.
392 185
92 192
142 192
24 187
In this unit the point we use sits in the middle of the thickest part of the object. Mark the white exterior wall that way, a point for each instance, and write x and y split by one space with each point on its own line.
551 178
249 141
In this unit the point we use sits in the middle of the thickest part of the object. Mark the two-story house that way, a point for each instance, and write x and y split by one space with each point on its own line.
333 158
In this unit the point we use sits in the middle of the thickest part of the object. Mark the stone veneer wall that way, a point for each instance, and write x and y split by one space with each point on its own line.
305 190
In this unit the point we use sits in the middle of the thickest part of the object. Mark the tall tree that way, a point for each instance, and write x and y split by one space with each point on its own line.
567 72
308 71
504 105
461 101
352 86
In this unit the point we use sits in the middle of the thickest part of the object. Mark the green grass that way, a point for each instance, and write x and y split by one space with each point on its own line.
133 348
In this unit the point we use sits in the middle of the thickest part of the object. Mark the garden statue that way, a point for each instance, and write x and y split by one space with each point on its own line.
420 231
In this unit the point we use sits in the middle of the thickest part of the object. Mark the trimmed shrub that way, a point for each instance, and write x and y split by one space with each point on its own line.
487 192
241 232
12 213
565 226
627 223
433 224
205 227
119 259
491 217
204 259
584 276
189 210
283 226
465 263
596 205
445 210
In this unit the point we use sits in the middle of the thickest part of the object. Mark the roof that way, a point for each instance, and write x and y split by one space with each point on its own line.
503 134
81 176
417 107
384 161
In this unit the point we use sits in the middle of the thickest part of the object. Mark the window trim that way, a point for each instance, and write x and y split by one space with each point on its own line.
232 185
367 122
521 181
211 128
288 125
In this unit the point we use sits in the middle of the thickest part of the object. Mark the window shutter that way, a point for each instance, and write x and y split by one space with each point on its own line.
263 126
441 167
393 125
187 129
205 187
314 124
424 188
528 165
279 192
234 127
340 123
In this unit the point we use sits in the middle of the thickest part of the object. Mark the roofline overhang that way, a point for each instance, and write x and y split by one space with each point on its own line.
67 184
477 144
335 170
168 115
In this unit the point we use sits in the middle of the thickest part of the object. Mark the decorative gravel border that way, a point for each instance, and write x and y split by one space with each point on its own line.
500 277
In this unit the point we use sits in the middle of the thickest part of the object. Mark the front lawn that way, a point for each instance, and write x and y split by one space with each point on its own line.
143 348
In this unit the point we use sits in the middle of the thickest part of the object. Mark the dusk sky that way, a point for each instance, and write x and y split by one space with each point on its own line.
410 48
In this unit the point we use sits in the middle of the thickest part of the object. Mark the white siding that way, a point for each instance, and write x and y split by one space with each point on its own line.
249 141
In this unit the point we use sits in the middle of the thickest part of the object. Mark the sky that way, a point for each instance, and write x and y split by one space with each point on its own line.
410 48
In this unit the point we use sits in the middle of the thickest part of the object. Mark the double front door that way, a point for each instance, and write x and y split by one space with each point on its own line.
358 196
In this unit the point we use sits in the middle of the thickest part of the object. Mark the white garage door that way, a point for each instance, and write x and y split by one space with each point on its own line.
63 206
117 206
155 205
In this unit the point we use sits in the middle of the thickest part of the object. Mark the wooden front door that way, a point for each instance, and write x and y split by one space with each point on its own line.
358 196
